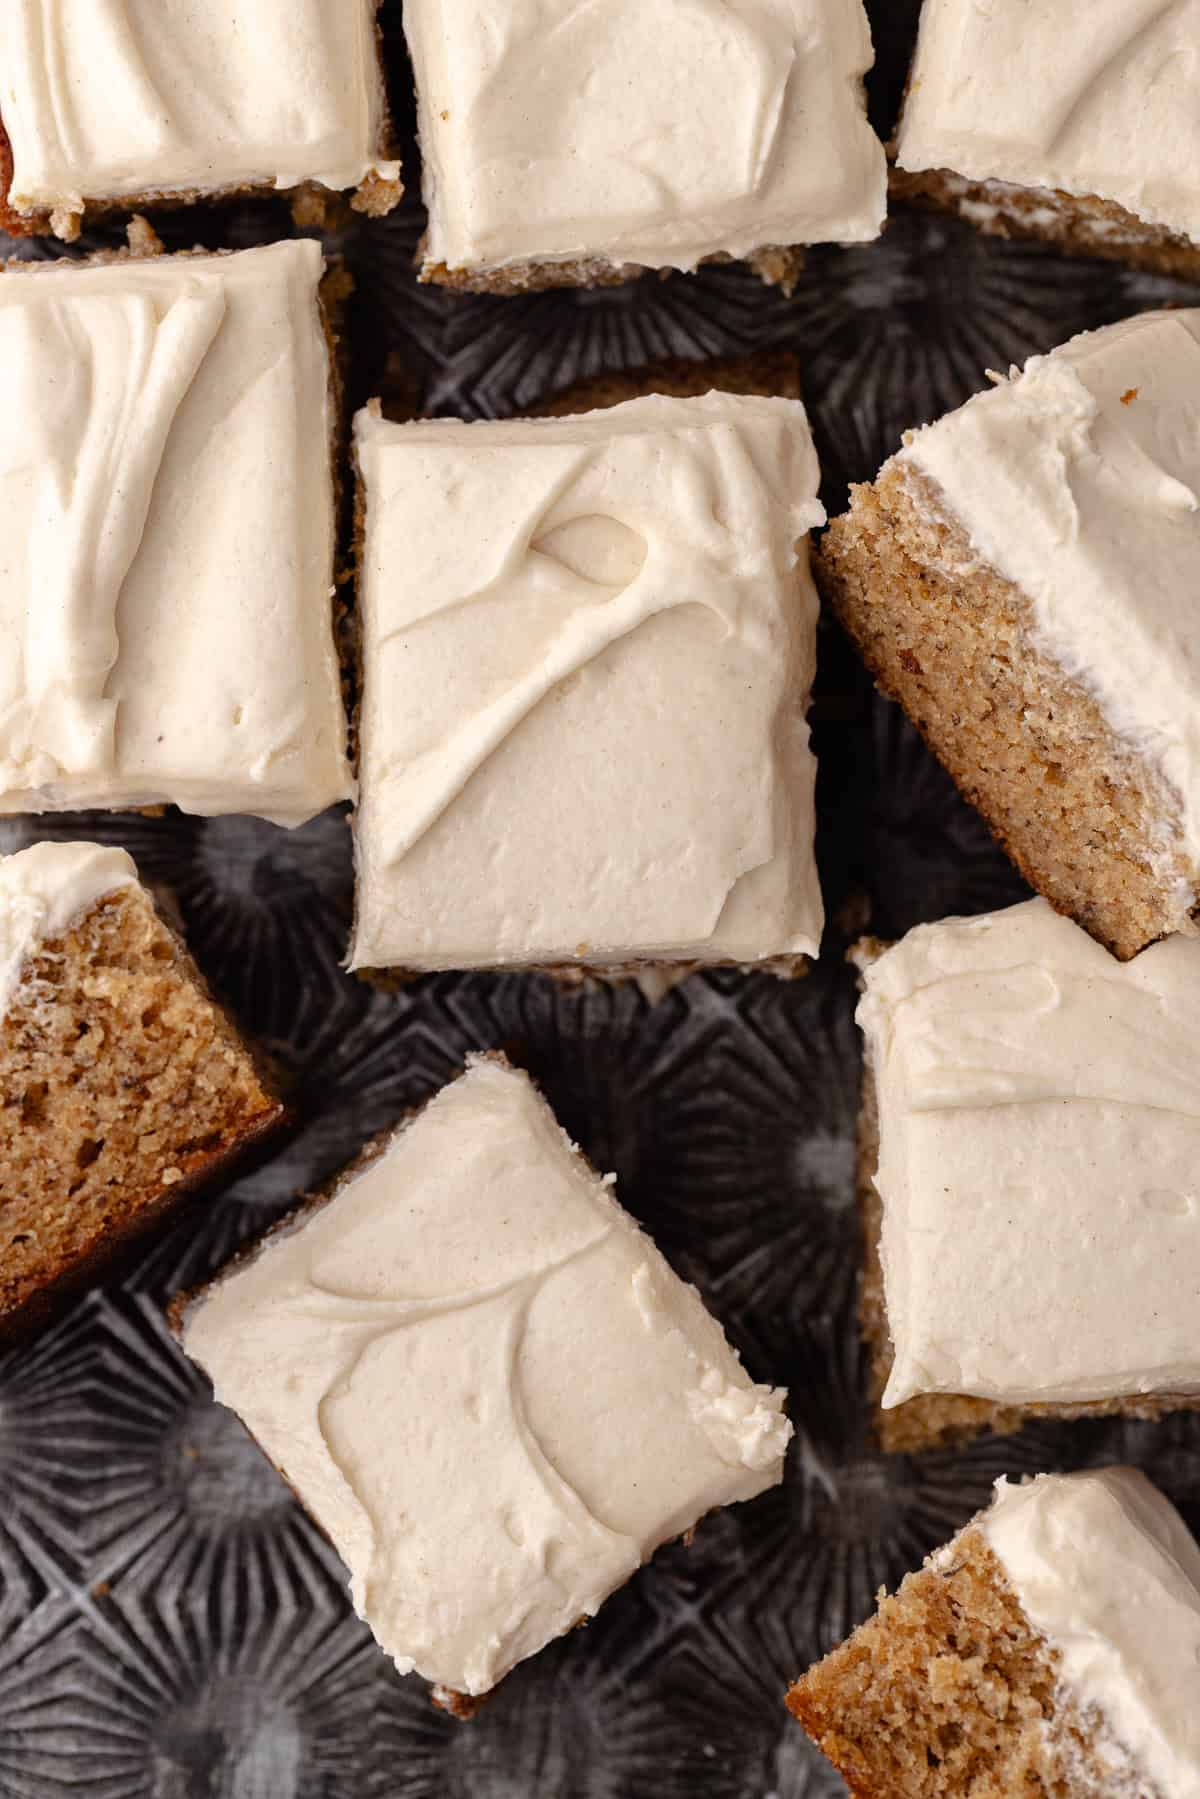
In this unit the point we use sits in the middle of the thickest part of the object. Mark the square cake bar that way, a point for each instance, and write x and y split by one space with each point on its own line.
1034 1229
1050 1648
484 1382
133 103
587 649
167 515
1022 577
122 1086
1080 128
572 144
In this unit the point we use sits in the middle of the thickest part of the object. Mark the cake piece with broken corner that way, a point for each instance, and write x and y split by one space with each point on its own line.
1088 139
484 1382
587 647
122 1085
1021 576
1049 1648
573 144
127 104
167 512
1032 1213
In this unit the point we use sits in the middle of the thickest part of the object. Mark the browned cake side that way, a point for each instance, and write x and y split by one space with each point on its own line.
775 265
1082 225
936 1420
949 1691
121 1086
1086 820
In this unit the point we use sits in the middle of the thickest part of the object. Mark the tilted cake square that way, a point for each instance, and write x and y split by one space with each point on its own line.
484 1381
167 514
587 649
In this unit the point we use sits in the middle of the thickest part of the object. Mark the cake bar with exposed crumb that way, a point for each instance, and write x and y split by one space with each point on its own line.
1047 1650
484 1381
128 104
167 512
1030 1125
122 1085
693 132
1086 138
1022 578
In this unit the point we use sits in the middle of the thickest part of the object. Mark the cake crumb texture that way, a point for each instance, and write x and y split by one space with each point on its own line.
949 1692
121 1084
1083 816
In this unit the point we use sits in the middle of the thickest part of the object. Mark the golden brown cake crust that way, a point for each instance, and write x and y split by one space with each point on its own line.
1085 819
122 1087
937 1420
949 1690
1080 225
775 265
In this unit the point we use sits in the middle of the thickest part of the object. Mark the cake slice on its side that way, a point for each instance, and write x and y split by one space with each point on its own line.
1049 1650
108 112
122 1086
1022 578
1089 140
484 1381
1030 1133
699 133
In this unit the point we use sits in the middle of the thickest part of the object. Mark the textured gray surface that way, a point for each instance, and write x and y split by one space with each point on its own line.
170 1623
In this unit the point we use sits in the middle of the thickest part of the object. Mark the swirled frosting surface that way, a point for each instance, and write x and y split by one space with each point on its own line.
588 647
119 98
654 134
1036 92
1105 1568
1039 1111
166 510
1078 479
485 1383
47 888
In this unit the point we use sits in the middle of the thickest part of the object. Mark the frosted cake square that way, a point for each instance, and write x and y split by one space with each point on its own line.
587 650
693 131
132 103
484 1382
1022 577
1088 138
166 508
1033 1218
122 1084
1048 1648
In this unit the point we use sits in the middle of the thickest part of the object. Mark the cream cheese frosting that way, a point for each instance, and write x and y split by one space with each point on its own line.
166 510
1039 1117
47 888
1012 90
1105 1568
120 98
485 1383
655 135
588 645
1078 480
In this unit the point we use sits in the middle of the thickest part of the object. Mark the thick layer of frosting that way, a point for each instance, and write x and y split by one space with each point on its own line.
1007 90
125 97
166 510
1079 481
1039 1111
1106 1569
47 888
643 134
582 731
485 1383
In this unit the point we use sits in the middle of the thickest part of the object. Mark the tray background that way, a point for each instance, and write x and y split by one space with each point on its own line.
171 1626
